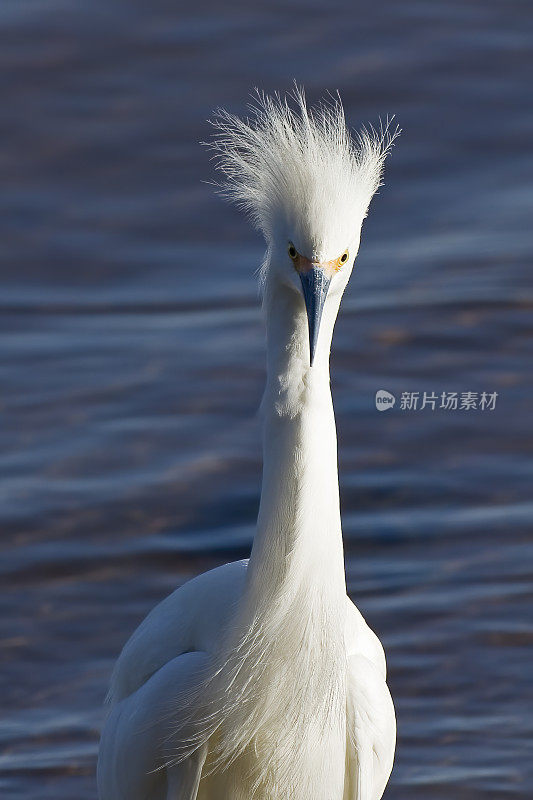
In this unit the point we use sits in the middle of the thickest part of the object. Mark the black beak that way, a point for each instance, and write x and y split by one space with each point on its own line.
315 285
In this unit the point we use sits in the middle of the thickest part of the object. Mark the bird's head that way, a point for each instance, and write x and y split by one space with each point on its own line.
306 182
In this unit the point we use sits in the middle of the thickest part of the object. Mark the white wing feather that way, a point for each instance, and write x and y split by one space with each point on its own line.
136 744
190 619
371 726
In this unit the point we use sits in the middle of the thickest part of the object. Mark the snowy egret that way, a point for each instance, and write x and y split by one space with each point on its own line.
261 679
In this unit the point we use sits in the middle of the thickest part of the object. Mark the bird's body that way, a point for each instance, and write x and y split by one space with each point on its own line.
181 633
261 679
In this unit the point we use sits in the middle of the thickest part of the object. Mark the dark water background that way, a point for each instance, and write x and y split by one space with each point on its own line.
132 360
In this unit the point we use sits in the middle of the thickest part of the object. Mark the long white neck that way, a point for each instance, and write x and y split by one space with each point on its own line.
298 540
279 682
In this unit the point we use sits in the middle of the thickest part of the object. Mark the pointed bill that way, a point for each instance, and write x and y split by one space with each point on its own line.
315 285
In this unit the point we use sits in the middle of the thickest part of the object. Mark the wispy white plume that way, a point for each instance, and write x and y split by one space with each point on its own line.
300 168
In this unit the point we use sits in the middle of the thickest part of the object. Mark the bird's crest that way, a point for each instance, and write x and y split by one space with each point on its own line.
298 171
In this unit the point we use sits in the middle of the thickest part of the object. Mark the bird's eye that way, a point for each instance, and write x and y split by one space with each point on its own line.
292 251
342 259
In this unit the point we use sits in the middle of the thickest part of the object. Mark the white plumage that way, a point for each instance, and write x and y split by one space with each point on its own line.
261 679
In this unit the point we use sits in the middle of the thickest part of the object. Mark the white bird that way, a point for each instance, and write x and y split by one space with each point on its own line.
260 679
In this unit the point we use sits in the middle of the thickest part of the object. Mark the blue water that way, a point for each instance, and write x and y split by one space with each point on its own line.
133 360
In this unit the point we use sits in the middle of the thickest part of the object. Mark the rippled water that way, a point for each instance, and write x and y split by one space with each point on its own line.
133 360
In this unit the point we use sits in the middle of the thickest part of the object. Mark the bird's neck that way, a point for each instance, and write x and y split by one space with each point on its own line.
298 544
283 667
